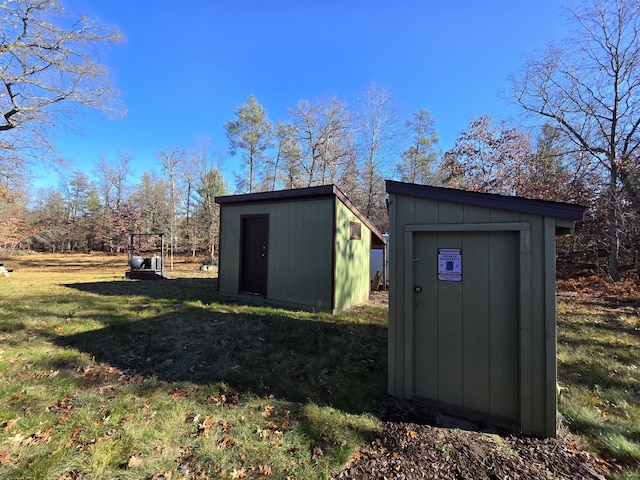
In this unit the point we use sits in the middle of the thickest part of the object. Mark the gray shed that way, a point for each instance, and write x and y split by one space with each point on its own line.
306 248
472 326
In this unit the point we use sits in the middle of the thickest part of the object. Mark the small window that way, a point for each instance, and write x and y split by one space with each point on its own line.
356 231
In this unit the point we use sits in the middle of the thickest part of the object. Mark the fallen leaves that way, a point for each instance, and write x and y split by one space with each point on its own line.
32 376
79 442
226 426
38 438
5 457
11 424
63 408
317 452
268 411
403 449
263 472
226 441
411 433
72 475
178 393
134 462
224 399
168 475
205 426
239 473
105 376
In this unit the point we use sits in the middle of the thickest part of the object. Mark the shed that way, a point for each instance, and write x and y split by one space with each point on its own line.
472 326
306 248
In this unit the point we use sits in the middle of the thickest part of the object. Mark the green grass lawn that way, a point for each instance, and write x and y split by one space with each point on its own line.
599 370
104 378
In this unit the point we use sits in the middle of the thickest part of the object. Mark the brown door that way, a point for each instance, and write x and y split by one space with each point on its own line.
253 254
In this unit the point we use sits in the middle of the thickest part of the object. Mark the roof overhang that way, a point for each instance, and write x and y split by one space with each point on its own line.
309 193
567 212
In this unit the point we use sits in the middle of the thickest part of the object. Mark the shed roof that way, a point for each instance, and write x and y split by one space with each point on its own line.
565 211
321 191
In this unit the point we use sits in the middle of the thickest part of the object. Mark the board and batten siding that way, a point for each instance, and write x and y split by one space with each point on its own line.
470 364
300 251
312 263
353 259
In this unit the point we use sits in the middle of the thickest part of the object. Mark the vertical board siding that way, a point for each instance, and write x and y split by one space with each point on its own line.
229 271
466 333
426 327
503 324
312 262
551 399
481 353
399 357
477 334
352 260
394 380
476 366
525 344
538 325
300 249
449 329
303 235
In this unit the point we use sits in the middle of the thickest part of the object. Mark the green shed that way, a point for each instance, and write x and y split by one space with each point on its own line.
472 326
306 248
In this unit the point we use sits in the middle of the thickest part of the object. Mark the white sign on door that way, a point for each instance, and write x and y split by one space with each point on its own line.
450 264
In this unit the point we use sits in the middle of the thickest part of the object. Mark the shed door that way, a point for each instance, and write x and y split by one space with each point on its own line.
466 331
254 254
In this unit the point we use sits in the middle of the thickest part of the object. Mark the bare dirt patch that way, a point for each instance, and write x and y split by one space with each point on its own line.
425 444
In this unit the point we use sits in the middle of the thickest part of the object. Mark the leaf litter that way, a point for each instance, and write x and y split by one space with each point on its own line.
414 444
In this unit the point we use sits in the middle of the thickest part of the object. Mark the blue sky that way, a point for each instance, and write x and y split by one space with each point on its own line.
185 66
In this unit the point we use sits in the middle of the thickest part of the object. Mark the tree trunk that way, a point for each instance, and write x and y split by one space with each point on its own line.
613 262
636 257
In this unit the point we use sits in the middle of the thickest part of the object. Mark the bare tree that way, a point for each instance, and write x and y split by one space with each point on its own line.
49 67
112 178
380 134
556 171
207 181
324 132
589 85
211 184
151 203
172 160
112 181
288 157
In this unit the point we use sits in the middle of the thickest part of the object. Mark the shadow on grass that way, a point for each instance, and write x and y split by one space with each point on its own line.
66 262
204 290
580 322
180 331
596 374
